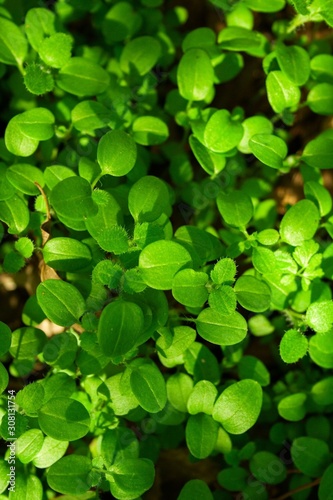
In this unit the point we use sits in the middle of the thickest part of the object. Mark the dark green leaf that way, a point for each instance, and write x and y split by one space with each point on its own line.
70 475
201 435
119 328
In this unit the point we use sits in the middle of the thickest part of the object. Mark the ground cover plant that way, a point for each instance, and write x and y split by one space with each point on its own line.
166 249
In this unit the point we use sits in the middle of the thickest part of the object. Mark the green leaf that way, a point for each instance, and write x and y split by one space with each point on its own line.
53 175
148 199
70 475
292 407
61 302
281 93
222 133
318 152
27 486
237 38
64 419
51 451
25 130
37 80
320 99
251 367
310 455
88 116
322 391
5 338
189 288
27 342
326 484
236 208
173 343
56 50
201 434
202 398
116 153
148 386
199 38
223 299
264 260
224 272
268 237
208 369
82 77
119 328
160 261
15 213
28 445
233 478
39 22
149 130
195 489
60 351
25 247
179 387
106 222
253 294
320 196
321 349
31 398
135 55
319 316
130 478
253 126
293 346
66 254
72 198
212 163
4 378
13 44
300 223
195 75
120 22
294 62
269 149
23 177
263 6
322 68
239 406
221 329
268 468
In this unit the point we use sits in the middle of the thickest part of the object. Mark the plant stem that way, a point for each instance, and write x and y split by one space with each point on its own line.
300 488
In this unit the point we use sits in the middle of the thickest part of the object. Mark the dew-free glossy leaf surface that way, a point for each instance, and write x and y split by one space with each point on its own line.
299 223
221 329
239 406
116 153
195 75
61 301
64 419
160 261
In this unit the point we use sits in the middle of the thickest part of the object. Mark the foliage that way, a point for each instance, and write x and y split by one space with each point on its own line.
183 292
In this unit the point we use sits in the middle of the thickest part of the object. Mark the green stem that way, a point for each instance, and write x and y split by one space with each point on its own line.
299 20
96 180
